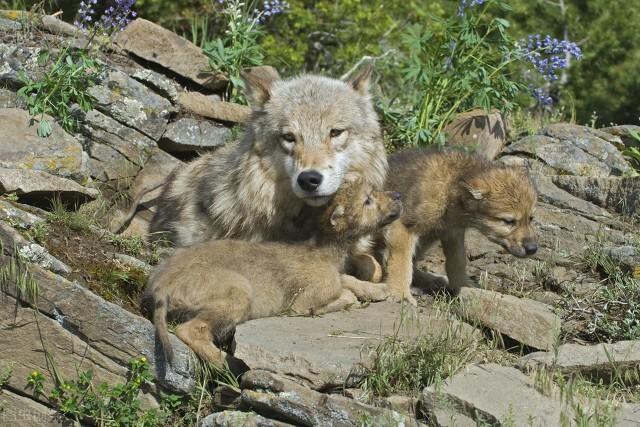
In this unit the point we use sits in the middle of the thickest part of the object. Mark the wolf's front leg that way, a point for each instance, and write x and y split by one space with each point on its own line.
455 259
401 244
365 291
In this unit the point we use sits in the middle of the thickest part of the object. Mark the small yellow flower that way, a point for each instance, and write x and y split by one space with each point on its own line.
35 374
143 359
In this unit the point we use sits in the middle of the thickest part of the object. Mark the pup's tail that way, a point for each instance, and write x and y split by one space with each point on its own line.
162 333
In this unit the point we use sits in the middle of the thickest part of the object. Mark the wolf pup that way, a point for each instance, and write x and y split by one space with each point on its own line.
211 287
444 193
307 136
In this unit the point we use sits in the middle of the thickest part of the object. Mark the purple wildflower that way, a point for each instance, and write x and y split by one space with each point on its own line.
85 14
118 16
549 55
542 96
468 4
272 8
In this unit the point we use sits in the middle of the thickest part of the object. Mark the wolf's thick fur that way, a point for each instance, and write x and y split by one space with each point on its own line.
444 193
307 136
211 287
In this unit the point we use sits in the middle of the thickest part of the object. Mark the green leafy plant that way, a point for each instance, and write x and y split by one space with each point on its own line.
106 405
633 153
36 382
467 61
238 47
65 84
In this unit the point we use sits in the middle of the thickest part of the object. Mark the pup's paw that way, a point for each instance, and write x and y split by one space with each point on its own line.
376 292
404 297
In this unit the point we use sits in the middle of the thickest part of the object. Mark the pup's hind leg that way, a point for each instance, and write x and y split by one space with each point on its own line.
346 300
197 334
365 267
365 291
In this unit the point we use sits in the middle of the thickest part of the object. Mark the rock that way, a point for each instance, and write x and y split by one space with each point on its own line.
548 192
596 143
40 186
153 43
9 25
16 410
621 195
329 351
132 103
57 26
239 419
17 217
22 148
574 150
133 262
115 151
526 321
628 257
13 241
158 83
10 99
625 133
201 105
188 135
17 60
483 132
108 328
21 349
601 361
283 399
503 396
402 404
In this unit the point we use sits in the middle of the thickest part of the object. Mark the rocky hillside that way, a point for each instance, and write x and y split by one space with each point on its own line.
551 340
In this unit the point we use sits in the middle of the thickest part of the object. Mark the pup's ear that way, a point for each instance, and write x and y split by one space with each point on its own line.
476 190
337 213
258 82
360 82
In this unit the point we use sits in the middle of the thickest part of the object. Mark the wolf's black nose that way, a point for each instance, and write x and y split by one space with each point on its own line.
530 248
310 180
396 196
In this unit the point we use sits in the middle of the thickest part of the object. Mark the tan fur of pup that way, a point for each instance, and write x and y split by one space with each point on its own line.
307 136
444 193
211 287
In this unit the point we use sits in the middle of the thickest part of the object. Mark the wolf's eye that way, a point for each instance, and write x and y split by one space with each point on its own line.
531 218
289 137
334 133
368 201
509 221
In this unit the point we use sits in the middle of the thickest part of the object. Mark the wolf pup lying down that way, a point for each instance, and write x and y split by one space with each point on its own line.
212 287
443 194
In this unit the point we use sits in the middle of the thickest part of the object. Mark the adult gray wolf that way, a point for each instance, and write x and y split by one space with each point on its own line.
307 136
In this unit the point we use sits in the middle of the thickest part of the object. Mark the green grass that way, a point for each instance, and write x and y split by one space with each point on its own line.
76 220
617 302
131 245
407 366
14 272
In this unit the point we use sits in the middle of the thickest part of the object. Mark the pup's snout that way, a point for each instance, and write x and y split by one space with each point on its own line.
530 247
310 180
396 196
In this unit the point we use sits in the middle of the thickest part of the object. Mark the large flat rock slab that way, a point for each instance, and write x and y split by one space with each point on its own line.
620 194
22 148
504 396
595 361
527 321
37 185
328 351
23 412
153 43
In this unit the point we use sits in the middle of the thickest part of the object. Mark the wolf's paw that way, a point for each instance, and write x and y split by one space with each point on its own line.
404 297
376 292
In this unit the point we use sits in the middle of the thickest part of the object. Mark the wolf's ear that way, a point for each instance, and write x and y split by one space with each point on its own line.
258 81
360 82
337 213
474 189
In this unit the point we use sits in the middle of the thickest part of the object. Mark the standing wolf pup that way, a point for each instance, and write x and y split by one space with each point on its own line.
307 135
444 193
211 287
